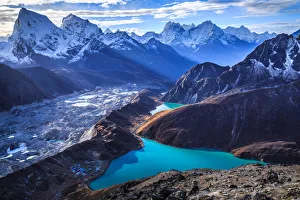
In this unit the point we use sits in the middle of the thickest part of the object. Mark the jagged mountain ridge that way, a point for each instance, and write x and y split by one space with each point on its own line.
186 33
203 42
37 41
244 33
275 60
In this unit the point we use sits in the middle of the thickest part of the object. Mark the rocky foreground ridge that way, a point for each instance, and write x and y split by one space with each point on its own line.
57 176
251 182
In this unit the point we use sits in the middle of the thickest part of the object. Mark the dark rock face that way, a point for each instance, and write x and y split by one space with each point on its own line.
186 85
59 176
211 185
17 89
275 59
49 82
236 119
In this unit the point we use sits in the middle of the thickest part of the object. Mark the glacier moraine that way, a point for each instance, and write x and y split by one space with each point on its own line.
33 132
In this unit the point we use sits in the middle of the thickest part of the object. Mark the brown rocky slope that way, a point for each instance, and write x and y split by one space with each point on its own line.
259 124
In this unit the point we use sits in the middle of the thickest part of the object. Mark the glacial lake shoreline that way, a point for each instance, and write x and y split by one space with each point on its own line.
143 163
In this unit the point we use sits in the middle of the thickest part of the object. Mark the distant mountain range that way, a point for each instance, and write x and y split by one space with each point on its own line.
208 42
36 41
80 55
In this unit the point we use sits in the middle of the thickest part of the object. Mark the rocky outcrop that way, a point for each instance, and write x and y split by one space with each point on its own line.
277 59
267 117
253 182
17 89
57 176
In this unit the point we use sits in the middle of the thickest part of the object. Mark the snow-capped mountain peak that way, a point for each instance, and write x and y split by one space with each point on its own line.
73 24
33 25
196 42
120 40
173 27
107 31
245 34
243 28
34 32
172 32
206 23
203 32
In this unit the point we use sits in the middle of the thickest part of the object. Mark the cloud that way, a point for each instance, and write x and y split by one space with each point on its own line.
172 11
170 4
276 27
180 10
133 20
185 9
7 18
263 7
103 3
6 28
219 12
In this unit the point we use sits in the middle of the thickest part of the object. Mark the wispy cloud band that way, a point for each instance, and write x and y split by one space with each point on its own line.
104 3
171 11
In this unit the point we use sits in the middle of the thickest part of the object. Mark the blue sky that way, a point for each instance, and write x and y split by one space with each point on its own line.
151 15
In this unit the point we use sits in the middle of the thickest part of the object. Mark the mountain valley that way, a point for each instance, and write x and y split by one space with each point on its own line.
92 114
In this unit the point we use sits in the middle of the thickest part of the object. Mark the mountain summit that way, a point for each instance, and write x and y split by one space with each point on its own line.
37 41
203 42
73 24
244 33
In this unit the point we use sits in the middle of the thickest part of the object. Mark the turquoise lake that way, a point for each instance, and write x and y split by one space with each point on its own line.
156 157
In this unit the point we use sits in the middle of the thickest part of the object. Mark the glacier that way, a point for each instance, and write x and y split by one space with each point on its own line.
33 132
